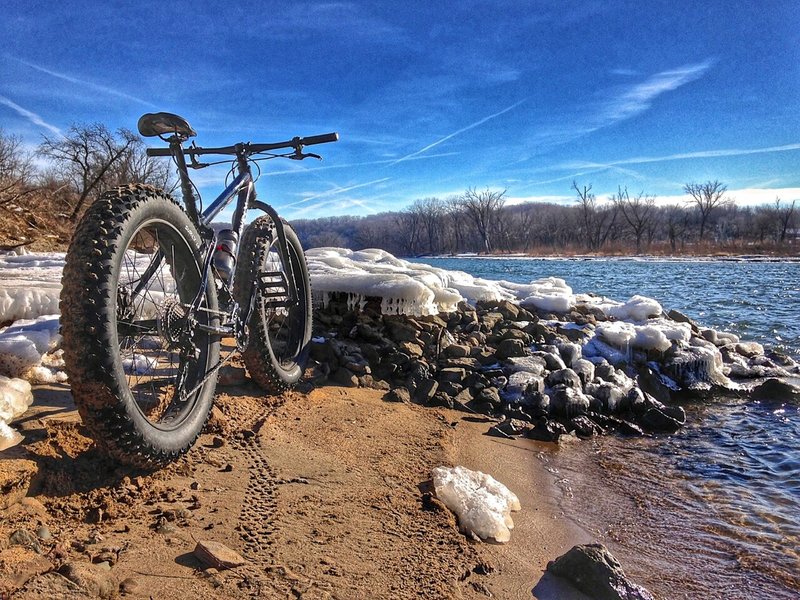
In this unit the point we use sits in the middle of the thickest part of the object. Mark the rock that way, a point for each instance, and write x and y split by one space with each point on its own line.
398 394
776 391
450 388
22 537
547 430
515 334
509 310
426 390
536 403
510 428
566 377
92 578
567 402
584 369
569 353
552 361
584 427
490 320
411 348
129 585
488 396
604 370
15 480
457 351
610 396
510 348
749 349
454 374
468 363
660 418
43 533
345 377
592 569
441 399
217 555
679 317
402 329
530 364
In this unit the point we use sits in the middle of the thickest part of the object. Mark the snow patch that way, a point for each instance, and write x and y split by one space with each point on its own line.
483 504
15 398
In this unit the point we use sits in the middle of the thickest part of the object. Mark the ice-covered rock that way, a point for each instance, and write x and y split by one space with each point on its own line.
24 345
15 398
483 504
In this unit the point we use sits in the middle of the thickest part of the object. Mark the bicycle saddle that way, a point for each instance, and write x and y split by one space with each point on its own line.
161 123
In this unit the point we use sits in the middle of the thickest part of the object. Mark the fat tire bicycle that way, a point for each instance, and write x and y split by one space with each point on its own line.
150 289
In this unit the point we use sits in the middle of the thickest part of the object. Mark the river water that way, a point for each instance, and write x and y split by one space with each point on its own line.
714 510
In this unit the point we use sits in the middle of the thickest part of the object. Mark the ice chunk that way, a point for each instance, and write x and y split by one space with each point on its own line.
23 345
483 504
638 308
15 398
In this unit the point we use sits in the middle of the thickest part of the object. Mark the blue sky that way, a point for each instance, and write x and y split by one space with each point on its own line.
430 98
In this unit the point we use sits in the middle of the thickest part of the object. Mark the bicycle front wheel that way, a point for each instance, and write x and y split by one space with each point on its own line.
279 333
133 312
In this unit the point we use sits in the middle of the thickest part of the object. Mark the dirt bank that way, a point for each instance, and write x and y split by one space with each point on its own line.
322 493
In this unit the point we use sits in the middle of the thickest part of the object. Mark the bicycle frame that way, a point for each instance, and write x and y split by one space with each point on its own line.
243 187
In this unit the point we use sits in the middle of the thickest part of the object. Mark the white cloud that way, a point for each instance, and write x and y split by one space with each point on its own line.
638 98
31 116
83 83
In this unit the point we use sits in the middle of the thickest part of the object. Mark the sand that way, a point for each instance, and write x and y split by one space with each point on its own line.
325 495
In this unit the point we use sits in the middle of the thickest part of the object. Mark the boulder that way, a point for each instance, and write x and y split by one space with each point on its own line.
593 570
776 391
566 377
567 402
398 394
547 430
510 348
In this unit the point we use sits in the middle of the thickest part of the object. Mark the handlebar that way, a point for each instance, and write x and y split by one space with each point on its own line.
249 148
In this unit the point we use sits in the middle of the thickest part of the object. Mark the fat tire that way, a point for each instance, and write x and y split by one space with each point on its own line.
89 328
273 373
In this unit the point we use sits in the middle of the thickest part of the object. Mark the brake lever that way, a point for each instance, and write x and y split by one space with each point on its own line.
193 162
298 155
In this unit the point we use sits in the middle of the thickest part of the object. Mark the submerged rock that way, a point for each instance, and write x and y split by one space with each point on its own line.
593 570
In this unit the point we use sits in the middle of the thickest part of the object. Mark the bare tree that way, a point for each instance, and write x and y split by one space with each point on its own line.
637 213
134 166
482 209
86 155
16 172
431 213
409 221
784 215
598 223
706 197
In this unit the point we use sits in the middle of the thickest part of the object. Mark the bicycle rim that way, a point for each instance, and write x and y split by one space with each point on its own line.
163 356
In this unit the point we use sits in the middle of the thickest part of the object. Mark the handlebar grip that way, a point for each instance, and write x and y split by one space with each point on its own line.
159 152
319 139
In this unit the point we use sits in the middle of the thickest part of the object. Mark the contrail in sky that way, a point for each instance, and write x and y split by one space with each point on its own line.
455 133
337 191
89 84
686 155
31 116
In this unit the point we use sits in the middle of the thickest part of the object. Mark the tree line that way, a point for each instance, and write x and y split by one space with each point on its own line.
45 190
48 188
480 221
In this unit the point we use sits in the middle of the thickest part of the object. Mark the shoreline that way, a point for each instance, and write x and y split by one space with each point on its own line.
743 258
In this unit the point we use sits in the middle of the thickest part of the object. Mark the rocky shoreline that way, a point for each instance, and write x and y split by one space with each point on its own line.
543 373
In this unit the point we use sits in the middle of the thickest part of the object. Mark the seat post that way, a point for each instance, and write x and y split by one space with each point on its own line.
187 190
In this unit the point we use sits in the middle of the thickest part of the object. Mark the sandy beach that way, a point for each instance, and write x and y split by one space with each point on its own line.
324 494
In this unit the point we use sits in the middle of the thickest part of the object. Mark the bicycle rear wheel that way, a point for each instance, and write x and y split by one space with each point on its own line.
278 344
136 359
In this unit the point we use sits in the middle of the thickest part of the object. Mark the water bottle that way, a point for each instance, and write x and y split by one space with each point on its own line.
225 253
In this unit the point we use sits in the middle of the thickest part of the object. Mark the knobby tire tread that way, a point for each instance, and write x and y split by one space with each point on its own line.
258 356
88 341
